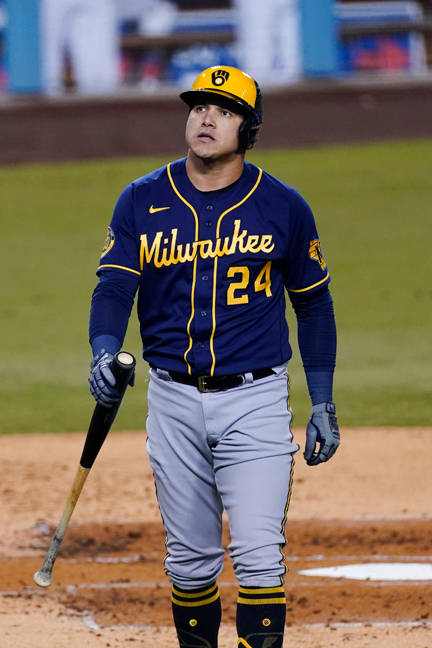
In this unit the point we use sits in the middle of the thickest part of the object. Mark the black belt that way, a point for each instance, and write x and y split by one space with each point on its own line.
217 383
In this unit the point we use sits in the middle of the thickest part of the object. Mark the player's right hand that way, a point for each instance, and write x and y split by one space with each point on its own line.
102 381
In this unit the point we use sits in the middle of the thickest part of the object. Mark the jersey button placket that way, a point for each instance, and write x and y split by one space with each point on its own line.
209 222
203 295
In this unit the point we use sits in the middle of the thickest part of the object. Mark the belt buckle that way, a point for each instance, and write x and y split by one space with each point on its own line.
202 385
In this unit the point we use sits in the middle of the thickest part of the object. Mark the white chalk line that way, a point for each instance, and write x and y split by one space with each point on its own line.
367 624
113 560
90 622
397 517
71 589
74 588
368 558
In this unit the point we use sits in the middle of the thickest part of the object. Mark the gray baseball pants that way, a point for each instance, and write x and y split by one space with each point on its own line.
230 450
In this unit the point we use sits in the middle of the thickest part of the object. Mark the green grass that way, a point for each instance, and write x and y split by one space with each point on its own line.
372 206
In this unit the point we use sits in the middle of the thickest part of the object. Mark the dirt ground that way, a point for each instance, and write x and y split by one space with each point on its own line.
370 504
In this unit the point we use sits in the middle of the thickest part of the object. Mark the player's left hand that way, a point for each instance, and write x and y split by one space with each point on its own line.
322 429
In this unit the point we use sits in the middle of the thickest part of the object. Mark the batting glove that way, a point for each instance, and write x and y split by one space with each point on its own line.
322 429
102 381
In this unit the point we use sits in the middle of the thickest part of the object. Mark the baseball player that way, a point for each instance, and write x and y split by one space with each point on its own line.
210 242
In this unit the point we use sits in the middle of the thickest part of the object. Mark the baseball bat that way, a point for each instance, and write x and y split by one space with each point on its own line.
101 421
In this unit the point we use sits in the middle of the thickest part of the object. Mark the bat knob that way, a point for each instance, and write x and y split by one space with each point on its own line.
42 578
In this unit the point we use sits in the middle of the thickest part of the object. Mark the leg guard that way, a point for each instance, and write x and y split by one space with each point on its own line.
197 616
261 617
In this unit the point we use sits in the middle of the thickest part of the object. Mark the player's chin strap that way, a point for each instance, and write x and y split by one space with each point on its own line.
244 643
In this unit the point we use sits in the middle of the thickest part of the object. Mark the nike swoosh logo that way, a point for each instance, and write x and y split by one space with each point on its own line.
153 210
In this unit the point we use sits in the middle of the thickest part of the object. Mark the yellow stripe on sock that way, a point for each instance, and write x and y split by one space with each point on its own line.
194 594
195 603
264 601
262 590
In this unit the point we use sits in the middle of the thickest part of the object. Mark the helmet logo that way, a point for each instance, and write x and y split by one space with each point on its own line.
219 77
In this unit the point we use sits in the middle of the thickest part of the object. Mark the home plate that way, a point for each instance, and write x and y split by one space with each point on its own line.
375 571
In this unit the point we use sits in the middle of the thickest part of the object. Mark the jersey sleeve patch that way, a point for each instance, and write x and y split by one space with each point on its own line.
109 242
315 253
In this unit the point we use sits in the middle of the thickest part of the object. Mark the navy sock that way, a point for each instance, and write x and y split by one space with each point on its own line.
197 616
261 615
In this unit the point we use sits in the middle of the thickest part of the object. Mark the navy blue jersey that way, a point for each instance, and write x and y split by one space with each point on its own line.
211 267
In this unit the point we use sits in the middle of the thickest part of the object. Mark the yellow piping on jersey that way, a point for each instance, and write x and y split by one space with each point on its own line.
216 264
194 267
310 287
111 265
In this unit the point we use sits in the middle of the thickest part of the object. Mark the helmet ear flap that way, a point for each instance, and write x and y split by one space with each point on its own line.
248 132
250 127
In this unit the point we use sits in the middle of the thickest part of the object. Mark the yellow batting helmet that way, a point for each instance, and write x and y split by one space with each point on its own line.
230 88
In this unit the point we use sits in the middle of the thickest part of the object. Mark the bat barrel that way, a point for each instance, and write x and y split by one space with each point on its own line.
43 576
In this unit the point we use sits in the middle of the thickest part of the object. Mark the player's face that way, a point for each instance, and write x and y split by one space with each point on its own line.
212 131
